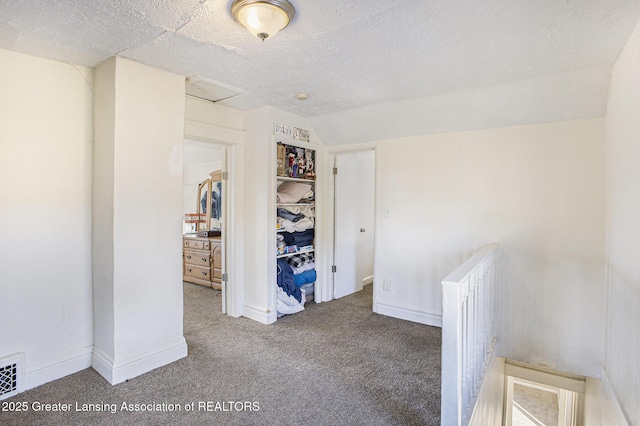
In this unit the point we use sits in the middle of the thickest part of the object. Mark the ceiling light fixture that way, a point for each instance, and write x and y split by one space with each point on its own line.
263 18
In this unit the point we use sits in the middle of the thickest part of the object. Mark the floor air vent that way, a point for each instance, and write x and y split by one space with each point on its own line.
11 377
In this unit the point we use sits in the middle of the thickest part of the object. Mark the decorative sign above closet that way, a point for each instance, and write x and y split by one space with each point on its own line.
287 131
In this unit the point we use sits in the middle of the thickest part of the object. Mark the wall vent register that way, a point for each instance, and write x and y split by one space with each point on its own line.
8 379
11 375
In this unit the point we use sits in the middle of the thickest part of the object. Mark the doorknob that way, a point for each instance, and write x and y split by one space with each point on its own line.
362 230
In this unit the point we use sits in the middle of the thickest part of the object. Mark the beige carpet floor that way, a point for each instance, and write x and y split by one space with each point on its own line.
335 363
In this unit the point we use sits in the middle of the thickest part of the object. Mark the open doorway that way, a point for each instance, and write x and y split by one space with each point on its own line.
204 216
354 214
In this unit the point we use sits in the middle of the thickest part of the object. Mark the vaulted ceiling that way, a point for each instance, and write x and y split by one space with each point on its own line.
373 69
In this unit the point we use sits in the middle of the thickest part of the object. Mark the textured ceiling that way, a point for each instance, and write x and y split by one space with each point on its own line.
373 69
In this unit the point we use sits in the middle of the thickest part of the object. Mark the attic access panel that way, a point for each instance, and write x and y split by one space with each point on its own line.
211 90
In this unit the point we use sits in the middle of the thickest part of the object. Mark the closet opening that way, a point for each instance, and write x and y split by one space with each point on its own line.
295 226
353 222
205 217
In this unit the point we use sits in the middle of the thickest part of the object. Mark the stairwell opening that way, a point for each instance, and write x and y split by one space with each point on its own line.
539 396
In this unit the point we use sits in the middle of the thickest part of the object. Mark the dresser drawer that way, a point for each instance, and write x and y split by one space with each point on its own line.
196 271
201 258
198 244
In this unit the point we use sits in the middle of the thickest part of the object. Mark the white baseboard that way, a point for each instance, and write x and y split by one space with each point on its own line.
120 370
259 313
367 280
62 366
408 314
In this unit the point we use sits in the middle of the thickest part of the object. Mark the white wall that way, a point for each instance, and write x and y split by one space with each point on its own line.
538 191
259 193
601 406
622 352
139 118
45 214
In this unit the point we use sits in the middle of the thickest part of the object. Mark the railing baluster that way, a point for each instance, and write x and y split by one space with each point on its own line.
468 332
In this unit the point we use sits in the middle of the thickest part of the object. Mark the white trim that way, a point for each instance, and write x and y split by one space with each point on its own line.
409 314
259 313
55 369
271 191
233 140
234 247
324 283
356 147
102 363
118 371
208 132
326 291
554 380
508 401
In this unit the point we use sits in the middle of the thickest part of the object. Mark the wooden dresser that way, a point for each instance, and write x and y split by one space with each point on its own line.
202 260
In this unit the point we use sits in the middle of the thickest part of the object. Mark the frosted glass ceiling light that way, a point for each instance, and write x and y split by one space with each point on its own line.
263 18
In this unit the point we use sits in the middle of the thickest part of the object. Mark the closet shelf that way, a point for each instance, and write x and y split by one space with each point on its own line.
290 179
293 254
297 204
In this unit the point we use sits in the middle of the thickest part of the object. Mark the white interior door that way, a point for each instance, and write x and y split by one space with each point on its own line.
353 221
224 228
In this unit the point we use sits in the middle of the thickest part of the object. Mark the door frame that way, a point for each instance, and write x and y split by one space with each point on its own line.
232 142
327 290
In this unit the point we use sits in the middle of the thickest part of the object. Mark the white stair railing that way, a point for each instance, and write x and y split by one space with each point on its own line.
468 332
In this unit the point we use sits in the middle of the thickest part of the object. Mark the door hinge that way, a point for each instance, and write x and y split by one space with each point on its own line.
225 277
335 170
225 175
334 268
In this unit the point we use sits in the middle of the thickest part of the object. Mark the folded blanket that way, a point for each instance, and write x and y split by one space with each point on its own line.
303 268
292 192
301 225
308 211
303 238
300 259
286 214
305 277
